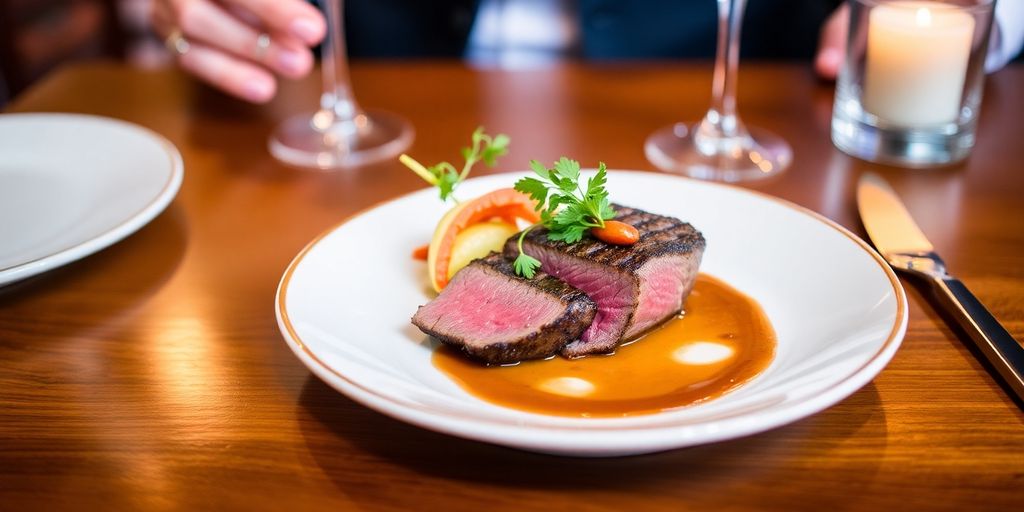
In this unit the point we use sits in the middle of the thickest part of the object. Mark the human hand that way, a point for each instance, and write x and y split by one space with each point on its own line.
238 45
832 46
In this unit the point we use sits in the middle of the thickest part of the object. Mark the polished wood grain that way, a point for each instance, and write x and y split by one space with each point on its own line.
152 376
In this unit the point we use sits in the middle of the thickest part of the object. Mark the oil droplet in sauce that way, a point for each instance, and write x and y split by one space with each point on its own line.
568 386
723 340
702 352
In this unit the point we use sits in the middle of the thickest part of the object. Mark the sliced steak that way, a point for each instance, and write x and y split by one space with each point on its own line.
495 316
636 287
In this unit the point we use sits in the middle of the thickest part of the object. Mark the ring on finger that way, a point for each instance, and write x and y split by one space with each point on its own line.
262 45
176 42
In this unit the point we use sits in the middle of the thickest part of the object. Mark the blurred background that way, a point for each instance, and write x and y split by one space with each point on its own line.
37 36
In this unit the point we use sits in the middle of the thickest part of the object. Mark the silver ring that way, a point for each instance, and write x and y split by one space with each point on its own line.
262 45
177 43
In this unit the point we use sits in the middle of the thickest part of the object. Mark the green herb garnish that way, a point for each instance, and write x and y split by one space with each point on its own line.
566 209
446 177
525 265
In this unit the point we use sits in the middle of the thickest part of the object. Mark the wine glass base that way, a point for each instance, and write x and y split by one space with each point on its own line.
371 137
763 154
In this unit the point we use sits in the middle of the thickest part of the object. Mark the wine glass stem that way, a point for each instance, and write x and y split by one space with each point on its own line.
721 118
337 95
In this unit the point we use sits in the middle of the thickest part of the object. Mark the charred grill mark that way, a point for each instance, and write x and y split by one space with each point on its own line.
659 236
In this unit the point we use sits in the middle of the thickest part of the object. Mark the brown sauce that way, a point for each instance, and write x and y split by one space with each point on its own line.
723 340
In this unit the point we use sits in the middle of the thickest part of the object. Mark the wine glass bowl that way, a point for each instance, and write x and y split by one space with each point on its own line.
720 147
340 134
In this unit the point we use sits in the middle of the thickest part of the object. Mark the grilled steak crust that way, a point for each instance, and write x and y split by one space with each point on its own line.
495 316
636 287
659 235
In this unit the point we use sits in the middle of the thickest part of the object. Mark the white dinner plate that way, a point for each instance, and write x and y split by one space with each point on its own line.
72 184
344 303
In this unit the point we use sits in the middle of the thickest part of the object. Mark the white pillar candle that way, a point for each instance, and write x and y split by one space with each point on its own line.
916 62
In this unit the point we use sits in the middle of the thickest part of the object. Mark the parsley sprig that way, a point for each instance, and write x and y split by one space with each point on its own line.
446 177
566 208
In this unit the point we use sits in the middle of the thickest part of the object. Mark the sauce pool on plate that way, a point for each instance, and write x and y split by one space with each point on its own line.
723 340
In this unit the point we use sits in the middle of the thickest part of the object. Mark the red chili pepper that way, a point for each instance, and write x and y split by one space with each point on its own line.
616 233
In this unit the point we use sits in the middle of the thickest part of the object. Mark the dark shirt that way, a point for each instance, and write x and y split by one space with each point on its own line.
610 29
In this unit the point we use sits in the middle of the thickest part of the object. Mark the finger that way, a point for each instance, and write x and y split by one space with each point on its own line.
832 45
230 74
294 17
245 15
205 21
237 77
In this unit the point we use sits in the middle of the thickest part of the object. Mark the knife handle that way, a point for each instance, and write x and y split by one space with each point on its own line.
991 338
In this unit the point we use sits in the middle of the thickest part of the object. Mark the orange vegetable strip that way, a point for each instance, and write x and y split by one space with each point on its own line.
502 203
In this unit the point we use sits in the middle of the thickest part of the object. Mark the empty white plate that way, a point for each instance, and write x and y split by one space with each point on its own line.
71 185
839 312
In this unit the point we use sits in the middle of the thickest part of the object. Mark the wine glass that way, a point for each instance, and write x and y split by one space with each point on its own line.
720 147
340 134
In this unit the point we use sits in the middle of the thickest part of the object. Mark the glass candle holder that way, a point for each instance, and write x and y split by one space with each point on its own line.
910 89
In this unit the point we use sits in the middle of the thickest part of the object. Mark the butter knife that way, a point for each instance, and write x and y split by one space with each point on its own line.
904 246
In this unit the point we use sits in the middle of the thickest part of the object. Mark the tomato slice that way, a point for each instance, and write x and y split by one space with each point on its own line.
506 204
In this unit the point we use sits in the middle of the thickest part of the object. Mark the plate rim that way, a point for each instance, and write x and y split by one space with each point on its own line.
792 412
132 223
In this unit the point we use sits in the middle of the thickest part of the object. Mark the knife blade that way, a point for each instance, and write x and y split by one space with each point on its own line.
901 242
888 222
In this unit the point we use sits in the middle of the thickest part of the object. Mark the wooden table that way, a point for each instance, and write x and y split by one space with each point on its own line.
152 375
